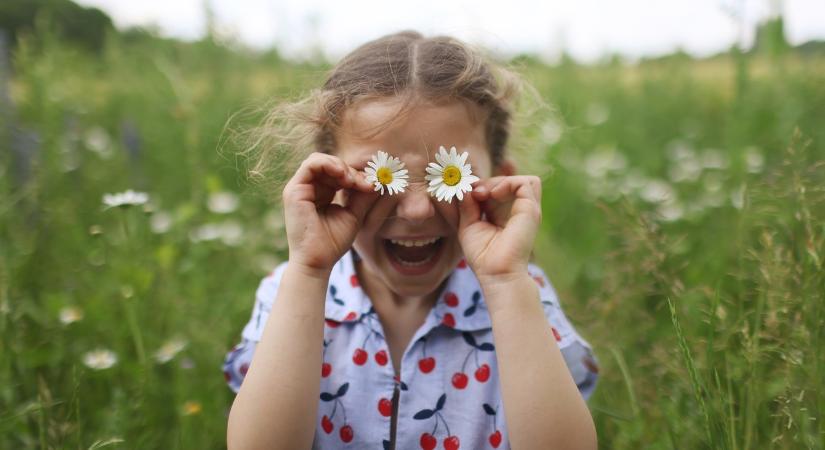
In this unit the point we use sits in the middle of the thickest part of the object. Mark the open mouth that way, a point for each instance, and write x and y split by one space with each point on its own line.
414 253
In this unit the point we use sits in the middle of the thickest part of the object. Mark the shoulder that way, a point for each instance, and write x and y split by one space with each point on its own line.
577 352
264 298
269 284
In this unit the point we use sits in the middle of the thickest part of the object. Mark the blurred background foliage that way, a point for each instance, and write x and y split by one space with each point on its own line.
683 229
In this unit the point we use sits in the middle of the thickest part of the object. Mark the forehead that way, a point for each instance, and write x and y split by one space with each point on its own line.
414 136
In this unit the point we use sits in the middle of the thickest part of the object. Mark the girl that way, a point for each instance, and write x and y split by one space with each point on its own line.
405 319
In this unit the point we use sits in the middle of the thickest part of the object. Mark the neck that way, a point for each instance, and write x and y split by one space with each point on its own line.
388 303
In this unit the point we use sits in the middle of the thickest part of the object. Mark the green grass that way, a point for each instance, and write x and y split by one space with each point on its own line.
683 229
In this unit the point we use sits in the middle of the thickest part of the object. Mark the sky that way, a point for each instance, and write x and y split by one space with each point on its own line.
586 29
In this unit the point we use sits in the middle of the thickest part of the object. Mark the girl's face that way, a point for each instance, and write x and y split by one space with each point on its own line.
409 241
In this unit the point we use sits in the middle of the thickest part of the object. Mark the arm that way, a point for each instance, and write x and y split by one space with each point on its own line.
278 400
542 404
277 403
550 412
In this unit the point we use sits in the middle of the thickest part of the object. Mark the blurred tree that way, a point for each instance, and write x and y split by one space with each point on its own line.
84 26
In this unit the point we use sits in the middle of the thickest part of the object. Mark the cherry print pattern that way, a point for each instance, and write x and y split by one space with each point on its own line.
385 407
428 441
346 433
451 299
462 264
427 363
556 334
474 307
482 372
326 368
448 320
460 301
360 355
381 357
333 291
495 436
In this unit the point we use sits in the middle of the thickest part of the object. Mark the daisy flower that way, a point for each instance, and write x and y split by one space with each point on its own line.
451 177
386 171
125 199
100 359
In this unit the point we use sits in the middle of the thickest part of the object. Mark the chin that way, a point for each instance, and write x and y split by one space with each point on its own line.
407 280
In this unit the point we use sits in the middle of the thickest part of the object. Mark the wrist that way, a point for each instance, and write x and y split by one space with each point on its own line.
507 291
308 272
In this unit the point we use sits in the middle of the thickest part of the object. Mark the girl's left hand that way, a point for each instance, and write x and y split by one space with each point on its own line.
498 244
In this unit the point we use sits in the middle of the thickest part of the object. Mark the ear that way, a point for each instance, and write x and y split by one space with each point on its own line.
506 168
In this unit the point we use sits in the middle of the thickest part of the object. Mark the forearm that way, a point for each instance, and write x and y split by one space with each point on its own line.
543 406
278 400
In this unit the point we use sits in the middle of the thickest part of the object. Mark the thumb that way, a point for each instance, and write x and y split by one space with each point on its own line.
469 211
360 203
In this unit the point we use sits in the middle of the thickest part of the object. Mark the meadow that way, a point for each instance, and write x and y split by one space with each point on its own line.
684 228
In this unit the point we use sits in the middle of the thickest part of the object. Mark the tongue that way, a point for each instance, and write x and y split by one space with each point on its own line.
412 254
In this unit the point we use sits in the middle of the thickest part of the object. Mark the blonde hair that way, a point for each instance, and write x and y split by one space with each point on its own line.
405 65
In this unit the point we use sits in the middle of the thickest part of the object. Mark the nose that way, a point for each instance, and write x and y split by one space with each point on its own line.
415 205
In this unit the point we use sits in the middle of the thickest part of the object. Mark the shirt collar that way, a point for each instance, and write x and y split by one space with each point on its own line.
460 305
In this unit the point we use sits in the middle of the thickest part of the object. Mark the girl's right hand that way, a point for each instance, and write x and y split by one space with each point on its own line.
320 231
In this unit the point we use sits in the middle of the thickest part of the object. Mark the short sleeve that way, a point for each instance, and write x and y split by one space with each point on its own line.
264 297
238 359
577 352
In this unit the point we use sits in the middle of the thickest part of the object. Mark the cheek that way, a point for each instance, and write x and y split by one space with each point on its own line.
449 211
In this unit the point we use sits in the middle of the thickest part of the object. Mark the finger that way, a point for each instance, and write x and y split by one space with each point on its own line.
360 180
482 188
469 212
327 169
360 203
518 187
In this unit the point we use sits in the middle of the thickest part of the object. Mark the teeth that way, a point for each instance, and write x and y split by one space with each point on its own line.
419 243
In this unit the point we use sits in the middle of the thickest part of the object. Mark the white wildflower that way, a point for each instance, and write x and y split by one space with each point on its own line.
160 222
125 199
596 114
656 191
169 350
70 314
100 359
223 202
386 171
451 177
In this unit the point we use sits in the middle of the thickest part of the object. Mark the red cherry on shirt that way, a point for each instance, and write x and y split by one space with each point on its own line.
495 439
451 299
426 364
326 368
346 433
462 264
351 316
327 425
227 376
483 373
539 280
460 380
556 333
427 441
244 369
451 443
448 320
385 407
332 323
353 280
360 356
381 358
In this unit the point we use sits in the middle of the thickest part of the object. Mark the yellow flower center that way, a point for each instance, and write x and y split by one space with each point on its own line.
384 175
451 175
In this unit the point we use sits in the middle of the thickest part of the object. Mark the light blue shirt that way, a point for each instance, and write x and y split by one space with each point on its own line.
448 391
